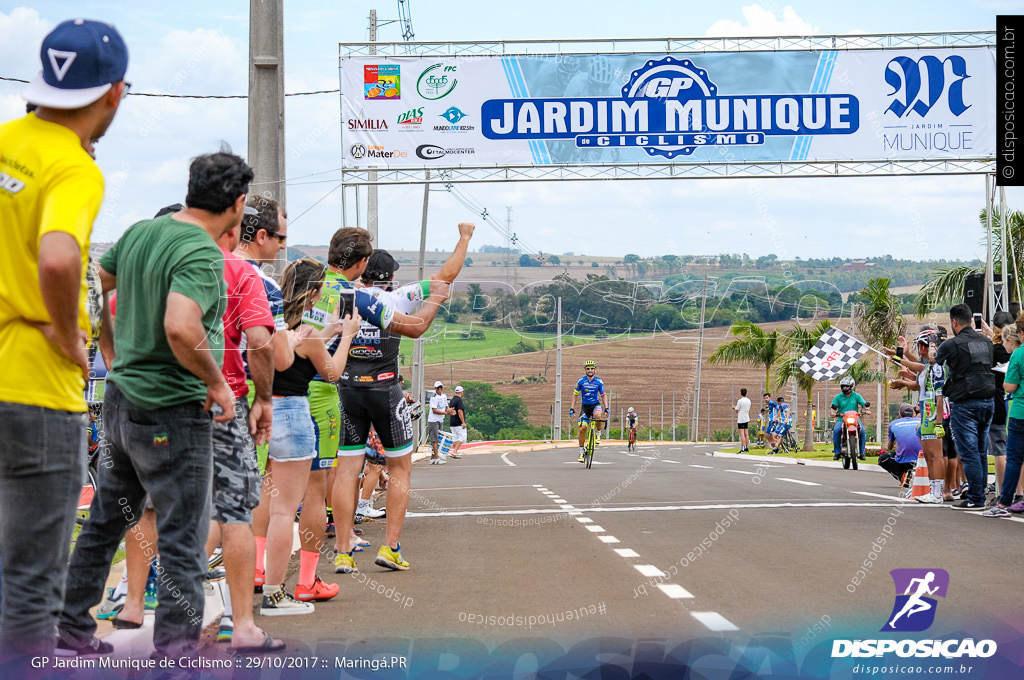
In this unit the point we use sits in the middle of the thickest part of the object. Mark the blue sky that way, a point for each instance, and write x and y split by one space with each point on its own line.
202 48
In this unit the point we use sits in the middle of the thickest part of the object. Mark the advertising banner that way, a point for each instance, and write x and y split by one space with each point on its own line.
907 104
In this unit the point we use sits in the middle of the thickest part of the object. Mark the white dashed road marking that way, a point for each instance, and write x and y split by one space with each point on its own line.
676 592
626 552
649 570
797 481
714 621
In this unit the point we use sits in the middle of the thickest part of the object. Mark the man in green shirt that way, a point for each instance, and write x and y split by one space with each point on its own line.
166 350
848 400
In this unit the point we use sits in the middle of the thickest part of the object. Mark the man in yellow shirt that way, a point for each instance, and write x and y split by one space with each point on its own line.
50 193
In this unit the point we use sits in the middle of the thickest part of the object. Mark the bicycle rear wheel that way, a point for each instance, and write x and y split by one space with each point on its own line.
588 454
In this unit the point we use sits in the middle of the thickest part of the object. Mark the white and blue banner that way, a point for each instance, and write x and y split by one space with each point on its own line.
636 108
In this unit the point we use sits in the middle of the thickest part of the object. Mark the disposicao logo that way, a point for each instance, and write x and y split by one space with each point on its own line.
670 108
914 611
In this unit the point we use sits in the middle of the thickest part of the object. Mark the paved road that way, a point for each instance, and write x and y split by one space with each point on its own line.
666 542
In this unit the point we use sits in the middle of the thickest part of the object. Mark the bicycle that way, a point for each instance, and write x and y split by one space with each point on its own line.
631 444
788 442
589 439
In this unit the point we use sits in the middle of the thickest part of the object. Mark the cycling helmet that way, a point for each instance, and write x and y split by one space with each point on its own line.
847 382
630 410
589 363
927 336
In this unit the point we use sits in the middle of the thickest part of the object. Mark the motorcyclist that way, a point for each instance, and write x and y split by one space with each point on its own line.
848 400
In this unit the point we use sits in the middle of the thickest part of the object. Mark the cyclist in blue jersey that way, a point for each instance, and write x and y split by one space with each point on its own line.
594 400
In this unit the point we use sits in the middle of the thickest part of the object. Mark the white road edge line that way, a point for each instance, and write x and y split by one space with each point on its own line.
879 495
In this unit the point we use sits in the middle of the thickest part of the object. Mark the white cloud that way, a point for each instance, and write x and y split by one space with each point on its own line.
762 22
21 33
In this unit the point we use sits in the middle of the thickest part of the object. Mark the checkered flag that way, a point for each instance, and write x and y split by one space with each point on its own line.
832 355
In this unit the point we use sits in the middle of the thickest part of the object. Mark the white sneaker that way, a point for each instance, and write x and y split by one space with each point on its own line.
441 461
370 511
930 499
277 602
433 461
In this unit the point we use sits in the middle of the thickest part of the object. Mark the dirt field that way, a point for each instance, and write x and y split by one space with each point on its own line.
640 372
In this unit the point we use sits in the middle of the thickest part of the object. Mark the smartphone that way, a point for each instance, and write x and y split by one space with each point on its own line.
977 321
347 302
899 352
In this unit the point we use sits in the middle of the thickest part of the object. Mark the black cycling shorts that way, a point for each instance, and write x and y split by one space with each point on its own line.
741 426
386 410
588 410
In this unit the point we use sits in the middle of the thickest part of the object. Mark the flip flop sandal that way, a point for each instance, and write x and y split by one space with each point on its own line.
123 624
269 645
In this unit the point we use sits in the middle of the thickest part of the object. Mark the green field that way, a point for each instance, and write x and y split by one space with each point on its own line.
449 342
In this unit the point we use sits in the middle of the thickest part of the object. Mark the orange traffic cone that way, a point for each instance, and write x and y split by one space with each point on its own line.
922 485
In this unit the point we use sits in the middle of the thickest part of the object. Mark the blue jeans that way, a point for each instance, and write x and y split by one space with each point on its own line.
837 435
42 461
1014 460
167 453
970 420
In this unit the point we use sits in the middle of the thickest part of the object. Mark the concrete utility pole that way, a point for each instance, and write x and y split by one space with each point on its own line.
371 188
266 102
557 436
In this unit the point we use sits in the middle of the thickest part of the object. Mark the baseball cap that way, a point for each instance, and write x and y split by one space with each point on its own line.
438 383
459 389
81 59
906 410
380 267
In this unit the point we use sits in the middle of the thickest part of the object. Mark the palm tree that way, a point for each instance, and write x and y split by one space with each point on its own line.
755 347
945 285
881 323
800 341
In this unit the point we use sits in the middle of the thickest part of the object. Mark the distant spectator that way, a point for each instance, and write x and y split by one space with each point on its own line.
457 421
435 419
742 409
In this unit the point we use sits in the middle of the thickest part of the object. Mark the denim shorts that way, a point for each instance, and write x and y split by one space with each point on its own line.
293 437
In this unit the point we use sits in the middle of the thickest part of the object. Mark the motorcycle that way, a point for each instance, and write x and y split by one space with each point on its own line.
849 439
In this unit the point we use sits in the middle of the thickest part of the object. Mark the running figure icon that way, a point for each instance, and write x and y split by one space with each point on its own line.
915 603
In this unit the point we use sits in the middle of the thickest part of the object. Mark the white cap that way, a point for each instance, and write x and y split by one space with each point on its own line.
438 383
459 388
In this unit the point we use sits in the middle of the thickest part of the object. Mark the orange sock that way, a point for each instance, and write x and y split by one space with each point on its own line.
307 567
261 553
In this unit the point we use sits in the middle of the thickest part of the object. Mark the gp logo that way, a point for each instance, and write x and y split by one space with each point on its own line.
919 84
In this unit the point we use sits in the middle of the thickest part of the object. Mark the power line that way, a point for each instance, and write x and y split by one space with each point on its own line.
196 96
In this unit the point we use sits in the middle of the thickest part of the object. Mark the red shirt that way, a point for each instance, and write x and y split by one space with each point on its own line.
247 307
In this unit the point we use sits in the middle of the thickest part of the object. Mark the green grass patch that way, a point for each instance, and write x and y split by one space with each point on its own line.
454 342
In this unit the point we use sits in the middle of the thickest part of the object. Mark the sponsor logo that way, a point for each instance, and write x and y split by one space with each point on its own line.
367 124
453 115
914 611
11 185
919 84
385 376
382 81
412 119
670 108
436 81
365 352
931 88
161 439
365 379
432 152
361 151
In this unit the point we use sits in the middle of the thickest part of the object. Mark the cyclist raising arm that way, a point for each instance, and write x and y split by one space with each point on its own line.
593 399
